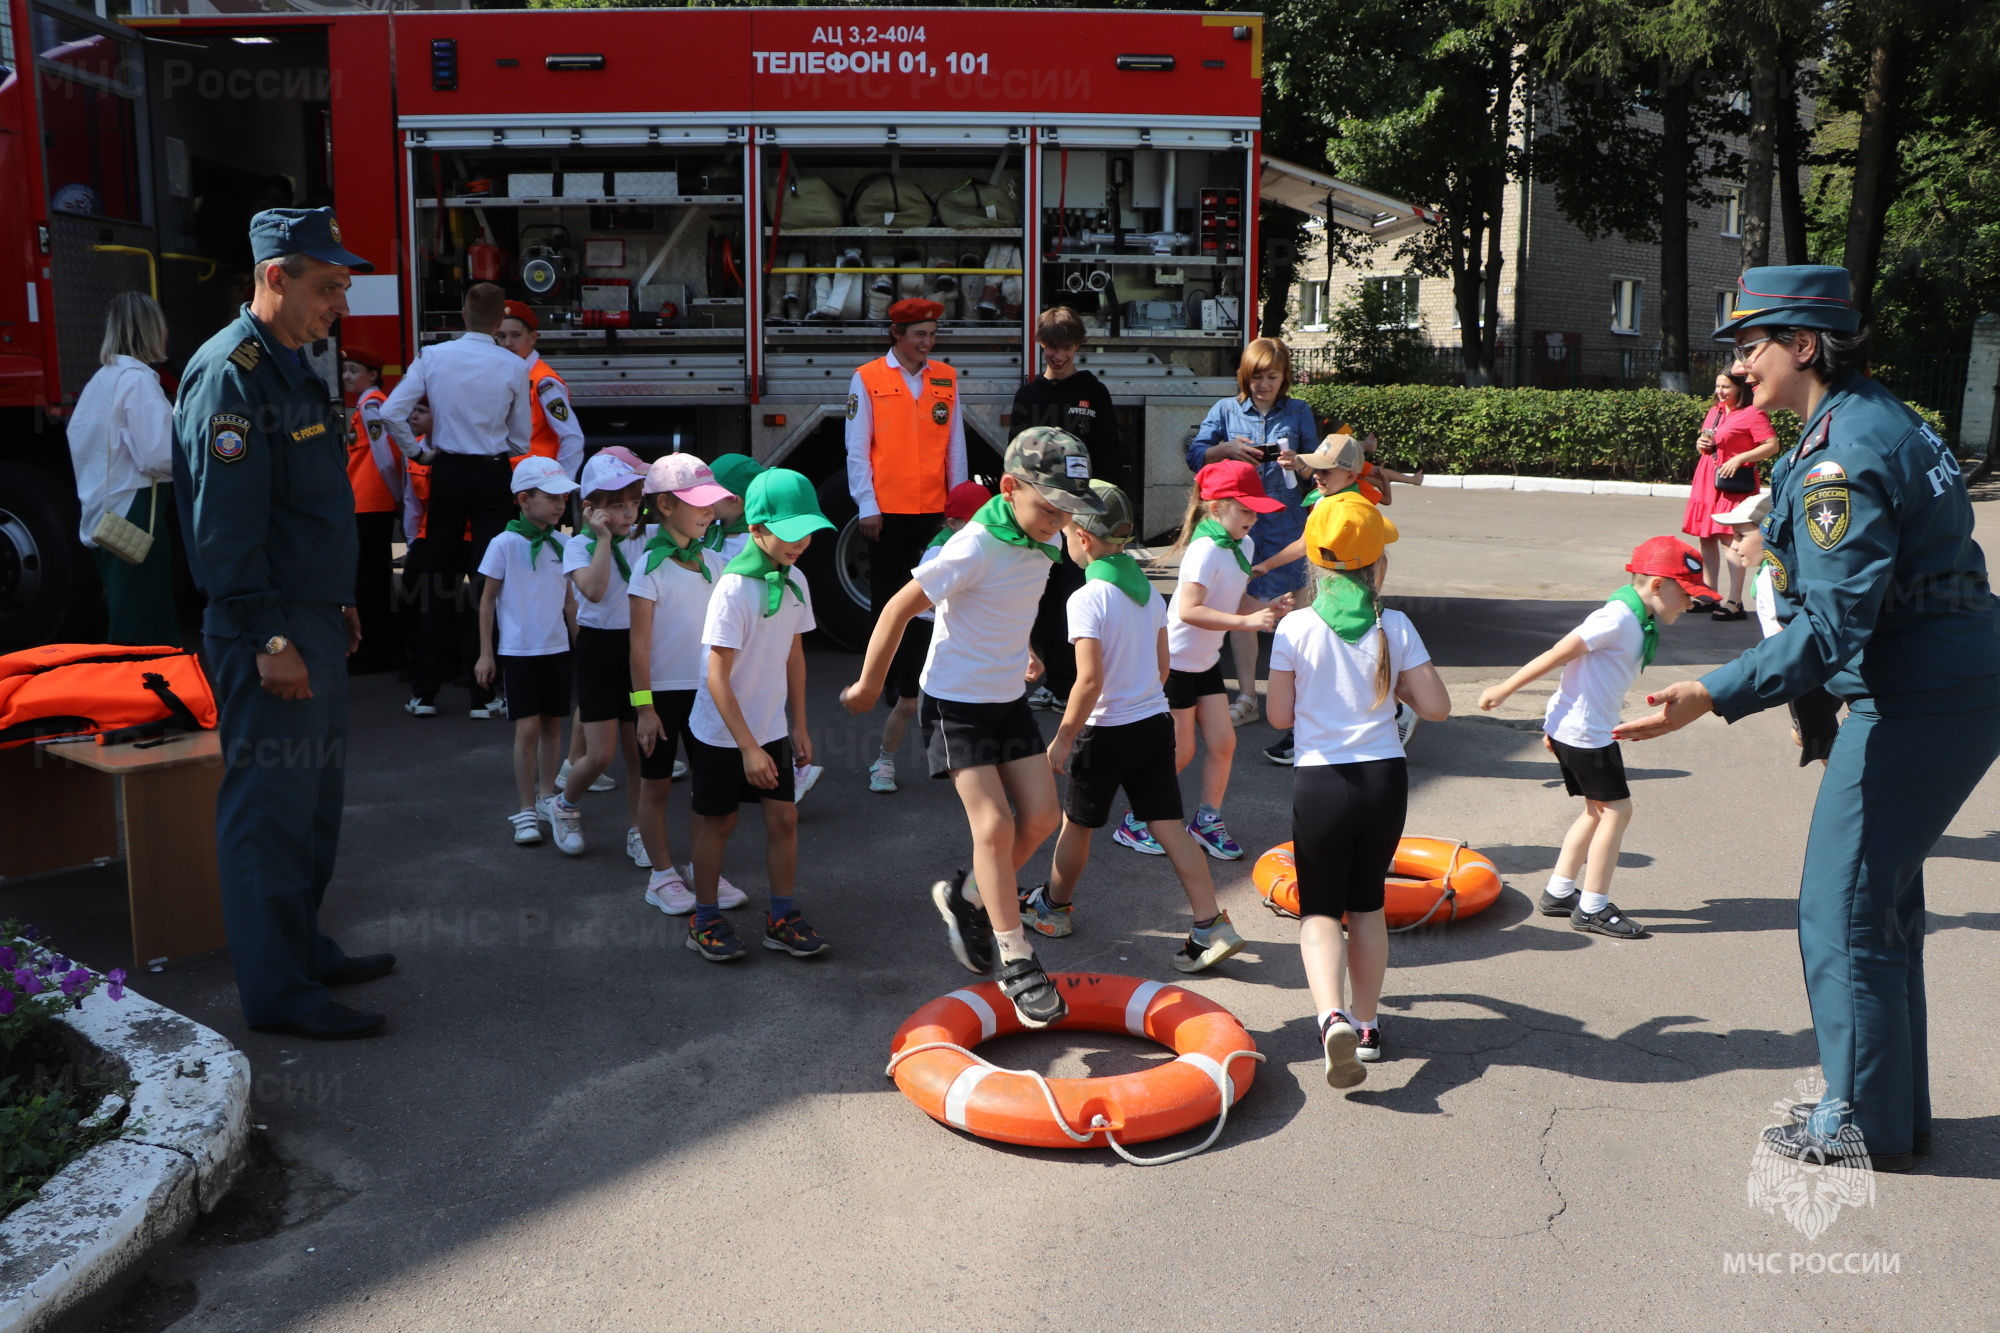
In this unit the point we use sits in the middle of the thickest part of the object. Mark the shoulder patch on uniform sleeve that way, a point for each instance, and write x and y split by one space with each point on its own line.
247 355
1781 578
228 437
558 407
853 405
374 428
1827 514
1825 470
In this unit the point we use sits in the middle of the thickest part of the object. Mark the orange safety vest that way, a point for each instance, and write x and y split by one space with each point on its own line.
371 493
543 440
911 449
417 476
84 689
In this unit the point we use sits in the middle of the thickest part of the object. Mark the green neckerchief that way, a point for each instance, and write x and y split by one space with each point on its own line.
1647 627
1348 608
997 517
1218 534
662 544
722 530
1313 496
753 563
944 535
1122 571
537 535
617 555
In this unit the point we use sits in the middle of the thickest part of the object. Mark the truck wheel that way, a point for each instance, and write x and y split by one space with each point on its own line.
836 568
48 593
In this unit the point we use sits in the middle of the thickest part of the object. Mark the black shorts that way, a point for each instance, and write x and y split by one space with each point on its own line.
673 707
1595 775
961 735
1184 687
536 686
1138 756
719 785
1346 822
908 664
603 674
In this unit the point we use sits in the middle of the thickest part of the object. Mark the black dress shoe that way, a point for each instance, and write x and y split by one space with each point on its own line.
1801 1112
1704 603
332 1021
367 967
1801 1144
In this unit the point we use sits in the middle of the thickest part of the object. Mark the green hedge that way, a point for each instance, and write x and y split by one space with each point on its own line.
1614 434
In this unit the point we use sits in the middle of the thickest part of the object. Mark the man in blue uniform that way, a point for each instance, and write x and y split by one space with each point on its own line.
260 474
1886 603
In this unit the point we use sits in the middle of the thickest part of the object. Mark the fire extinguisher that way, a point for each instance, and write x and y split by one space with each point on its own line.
484 258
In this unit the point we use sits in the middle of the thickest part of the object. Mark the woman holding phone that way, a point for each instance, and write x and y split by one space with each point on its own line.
1735 437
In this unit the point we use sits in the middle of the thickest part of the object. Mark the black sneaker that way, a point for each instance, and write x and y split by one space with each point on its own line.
1037 1002
1801 1112
1369 1048
1607 920
971 932
1340 1043
1801 1144
1550 905
715 941
1281 753
790 934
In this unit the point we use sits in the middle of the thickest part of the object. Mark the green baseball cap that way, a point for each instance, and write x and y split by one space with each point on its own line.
1117 523
783 501
1057 465
735 472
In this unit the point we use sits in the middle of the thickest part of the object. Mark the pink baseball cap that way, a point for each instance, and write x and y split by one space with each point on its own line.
687 478
623 455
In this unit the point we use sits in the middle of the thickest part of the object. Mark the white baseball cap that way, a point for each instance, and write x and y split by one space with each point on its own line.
538 473
608 472
1751 510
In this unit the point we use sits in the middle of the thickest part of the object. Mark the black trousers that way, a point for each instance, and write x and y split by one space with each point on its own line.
374 595
464 489
1050 636
447 607
895 553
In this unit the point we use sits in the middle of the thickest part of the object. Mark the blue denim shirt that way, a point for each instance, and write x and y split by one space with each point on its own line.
1289 422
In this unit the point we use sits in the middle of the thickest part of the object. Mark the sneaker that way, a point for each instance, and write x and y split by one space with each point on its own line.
1206 948
882 774
1244 710
635 847
803 778
790 934
1339 1041
1037 1002
1606 921
727 896
603 781
1131 833
971 933
1044 917
545 810
716 941
566 822
1368 1046
1047 700
1406 723
527 829
1550 905
680 769
420 708
1281 753
1208 830
670 893
488 711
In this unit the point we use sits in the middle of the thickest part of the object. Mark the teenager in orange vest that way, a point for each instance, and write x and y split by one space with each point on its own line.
375 471
556 434
905 450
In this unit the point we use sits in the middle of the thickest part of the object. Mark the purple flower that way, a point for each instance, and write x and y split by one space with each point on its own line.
116 976
59 964
29 983
7 956
30 933
6 1002
75 980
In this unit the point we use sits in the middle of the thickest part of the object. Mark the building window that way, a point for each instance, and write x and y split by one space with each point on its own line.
1396 302
1624 305
1310 298
1724 303
1732 212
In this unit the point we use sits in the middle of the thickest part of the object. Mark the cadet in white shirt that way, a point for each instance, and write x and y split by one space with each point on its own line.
1117 733
553 429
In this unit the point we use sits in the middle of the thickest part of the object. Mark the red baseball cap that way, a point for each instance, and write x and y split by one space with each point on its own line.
965 499
520 310
1670 559
1234 479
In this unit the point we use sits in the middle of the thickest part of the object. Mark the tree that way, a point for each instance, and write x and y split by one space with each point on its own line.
1374 340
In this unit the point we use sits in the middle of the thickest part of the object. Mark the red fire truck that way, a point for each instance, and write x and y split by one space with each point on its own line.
708 208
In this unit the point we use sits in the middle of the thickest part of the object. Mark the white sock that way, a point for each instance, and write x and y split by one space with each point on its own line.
1014 944
1560 887
886 755
1360 1023
1596 902
563 800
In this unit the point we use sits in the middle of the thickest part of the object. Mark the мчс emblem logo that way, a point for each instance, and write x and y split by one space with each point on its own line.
1809 1192
228 437
1826 516
940 413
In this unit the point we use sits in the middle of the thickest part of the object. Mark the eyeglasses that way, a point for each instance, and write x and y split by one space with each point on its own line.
1743 350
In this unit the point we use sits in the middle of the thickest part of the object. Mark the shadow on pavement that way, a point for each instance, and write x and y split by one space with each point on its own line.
1497 632
1965 1149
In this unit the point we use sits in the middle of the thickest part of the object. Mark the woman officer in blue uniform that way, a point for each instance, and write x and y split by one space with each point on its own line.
1886 603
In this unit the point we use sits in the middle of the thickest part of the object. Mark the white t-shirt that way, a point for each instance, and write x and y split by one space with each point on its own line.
1591 695
1336 718
1216 570
1130 637
529 610
985 591
736 620
1767 601
611 611
680 598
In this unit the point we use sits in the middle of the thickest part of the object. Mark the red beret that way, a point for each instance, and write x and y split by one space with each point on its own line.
519 310
360 358
915 310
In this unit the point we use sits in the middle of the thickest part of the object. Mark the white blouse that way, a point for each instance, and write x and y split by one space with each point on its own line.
121 439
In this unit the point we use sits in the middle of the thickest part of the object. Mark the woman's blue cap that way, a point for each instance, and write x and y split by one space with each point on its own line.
1800 296
277 232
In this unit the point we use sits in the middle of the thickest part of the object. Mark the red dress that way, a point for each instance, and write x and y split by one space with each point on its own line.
1735 432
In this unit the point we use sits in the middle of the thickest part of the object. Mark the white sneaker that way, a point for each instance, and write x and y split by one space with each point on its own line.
545 809
680 769
1406 723
727 895
604 782
882 774
497 708
418 708
527 829
635 847
804 776
667 891
566 822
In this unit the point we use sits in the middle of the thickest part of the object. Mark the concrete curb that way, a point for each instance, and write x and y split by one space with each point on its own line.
100 1221
1566 485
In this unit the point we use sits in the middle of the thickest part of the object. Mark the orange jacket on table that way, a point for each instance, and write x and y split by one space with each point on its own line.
371 492
81 689
910 453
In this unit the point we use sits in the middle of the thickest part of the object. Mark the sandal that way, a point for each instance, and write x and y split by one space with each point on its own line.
1722 612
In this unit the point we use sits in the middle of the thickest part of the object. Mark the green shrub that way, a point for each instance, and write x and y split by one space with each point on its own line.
1611 434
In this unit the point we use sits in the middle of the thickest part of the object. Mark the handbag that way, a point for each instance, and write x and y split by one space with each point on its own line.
1743 481
116 533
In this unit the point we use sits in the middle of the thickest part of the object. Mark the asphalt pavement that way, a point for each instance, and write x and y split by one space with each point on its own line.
574 1122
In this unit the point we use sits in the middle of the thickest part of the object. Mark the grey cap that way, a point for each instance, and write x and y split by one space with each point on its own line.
1117 523
1057 465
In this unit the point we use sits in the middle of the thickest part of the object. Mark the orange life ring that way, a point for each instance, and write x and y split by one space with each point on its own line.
1431 879
956 1088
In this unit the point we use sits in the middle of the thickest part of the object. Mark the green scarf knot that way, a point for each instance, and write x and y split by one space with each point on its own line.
1218 534
617 555
1648 627
662 544
997 517
722 530
755 563
1349 608
1122 571
537 535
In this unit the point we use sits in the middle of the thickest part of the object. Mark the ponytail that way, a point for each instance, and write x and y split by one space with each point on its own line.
1197 509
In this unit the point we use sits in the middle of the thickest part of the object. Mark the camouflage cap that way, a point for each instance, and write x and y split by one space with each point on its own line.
1117 523
1057 465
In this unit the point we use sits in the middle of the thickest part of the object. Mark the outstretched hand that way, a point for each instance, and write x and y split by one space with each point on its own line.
1679 704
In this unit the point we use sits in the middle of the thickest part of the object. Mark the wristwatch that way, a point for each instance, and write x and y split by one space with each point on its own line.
274 645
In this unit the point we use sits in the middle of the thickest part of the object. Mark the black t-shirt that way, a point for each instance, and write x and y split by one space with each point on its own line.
1082 406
